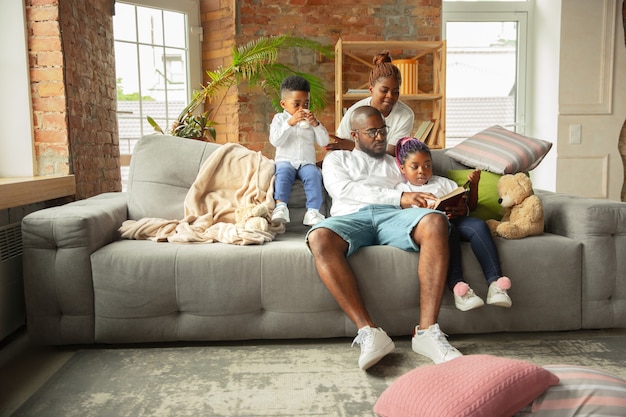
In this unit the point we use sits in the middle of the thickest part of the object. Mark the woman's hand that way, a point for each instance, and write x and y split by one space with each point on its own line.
339 144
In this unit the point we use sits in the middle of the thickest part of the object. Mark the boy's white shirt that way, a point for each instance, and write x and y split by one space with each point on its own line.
400 121
354 180
295 144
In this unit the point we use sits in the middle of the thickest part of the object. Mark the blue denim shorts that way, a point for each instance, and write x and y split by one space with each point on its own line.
377 225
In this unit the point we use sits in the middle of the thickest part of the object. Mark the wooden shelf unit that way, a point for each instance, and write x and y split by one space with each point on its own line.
427 53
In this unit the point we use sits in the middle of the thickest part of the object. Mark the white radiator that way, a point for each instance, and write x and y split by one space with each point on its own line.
11 283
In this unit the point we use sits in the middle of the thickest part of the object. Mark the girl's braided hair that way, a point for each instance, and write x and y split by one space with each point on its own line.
383 68
408 146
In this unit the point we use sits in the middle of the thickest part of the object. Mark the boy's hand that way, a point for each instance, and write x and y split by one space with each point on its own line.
308 115
301 115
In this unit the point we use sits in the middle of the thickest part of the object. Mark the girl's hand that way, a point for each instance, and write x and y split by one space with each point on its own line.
474 177
460 210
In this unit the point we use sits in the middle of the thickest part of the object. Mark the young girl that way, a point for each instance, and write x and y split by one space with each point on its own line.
415 162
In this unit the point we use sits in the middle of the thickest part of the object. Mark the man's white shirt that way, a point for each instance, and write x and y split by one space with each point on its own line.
354 179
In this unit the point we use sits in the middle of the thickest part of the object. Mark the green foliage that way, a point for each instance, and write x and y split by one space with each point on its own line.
254 64
121 96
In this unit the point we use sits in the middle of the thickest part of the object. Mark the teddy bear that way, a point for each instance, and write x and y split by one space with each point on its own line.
252 217
523 211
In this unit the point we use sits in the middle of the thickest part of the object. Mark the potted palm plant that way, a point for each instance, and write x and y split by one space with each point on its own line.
254 63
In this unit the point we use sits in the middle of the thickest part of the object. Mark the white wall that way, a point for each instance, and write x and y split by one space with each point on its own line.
543 86
592 94
16 132
578 77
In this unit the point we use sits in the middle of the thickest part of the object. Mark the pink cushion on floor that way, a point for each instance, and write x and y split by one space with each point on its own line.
471 385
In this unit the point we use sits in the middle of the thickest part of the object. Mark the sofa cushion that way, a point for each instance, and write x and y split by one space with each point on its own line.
158 185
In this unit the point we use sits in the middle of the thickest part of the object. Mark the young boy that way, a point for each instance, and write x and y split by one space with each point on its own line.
294 133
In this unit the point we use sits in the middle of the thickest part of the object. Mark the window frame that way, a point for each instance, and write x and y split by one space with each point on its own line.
500 11
191 8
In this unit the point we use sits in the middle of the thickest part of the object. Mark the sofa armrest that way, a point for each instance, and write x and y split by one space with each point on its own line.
600 225
58 243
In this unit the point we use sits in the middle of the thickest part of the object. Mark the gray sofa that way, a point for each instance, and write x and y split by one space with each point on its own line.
83 284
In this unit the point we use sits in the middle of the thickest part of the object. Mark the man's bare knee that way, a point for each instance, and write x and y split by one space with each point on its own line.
323 240
432 224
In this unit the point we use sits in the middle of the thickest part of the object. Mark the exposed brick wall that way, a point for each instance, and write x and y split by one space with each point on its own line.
218 21
87 35
321 20
73 92
73 70
47 87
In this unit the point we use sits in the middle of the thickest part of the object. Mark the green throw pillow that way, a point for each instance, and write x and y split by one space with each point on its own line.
488 206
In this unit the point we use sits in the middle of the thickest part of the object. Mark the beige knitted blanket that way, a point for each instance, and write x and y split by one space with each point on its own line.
232 176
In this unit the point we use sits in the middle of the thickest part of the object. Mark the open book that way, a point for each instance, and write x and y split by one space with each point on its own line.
449 200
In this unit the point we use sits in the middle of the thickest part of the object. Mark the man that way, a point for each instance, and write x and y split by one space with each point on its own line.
361 183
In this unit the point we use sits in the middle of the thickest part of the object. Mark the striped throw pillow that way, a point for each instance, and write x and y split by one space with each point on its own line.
581 391
500 151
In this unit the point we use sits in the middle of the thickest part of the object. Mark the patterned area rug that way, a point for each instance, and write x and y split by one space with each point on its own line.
276 378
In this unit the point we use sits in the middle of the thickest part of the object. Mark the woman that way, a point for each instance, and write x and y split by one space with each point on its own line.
384 85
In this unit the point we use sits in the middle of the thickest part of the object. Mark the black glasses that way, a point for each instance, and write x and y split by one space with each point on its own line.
373 132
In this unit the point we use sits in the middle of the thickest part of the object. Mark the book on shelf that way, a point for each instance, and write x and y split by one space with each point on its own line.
423 129
450 200
358 91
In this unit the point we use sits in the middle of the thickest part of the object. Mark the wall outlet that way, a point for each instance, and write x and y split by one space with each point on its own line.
575 134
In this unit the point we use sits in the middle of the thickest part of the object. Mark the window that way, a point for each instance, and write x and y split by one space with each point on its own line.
485 66
157 57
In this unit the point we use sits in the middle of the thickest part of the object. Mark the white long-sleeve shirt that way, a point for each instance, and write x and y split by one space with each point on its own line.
293 143
354 179
399 121
436 185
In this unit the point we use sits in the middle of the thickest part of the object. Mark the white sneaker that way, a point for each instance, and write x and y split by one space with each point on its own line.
433 343
464 297
375 344
312 217
280 214
497 294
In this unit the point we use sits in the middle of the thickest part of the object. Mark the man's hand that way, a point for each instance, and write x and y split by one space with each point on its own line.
339 144
416 199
